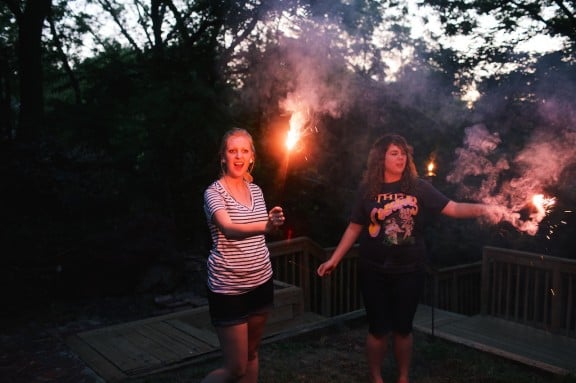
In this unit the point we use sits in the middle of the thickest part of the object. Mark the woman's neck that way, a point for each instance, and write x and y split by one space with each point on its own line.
233 181
388 179
238 189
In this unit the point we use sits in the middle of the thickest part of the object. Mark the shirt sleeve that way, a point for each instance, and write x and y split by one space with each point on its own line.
213 201
358 215
432 199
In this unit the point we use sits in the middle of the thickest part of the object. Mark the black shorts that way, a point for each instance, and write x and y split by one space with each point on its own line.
227 310
391 300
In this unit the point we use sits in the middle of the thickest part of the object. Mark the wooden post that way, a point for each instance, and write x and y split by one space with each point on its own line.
556 296
326 296
454 293
485 284
305 278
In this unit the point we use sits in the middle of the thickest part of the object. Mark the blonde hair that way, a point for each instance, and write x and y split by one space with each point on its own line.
223 145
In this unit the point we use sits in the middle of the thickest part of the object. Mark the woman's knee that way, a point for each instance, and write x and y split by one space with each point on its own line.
236 369
252 355
236 373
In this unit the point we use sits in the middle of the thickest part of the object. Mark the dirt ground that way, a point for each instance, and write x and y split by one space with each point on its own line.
333 355
337 355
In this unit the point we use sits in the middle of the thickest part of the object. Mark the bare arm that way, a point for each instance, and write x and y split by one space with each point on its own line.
242 230
346 242
493 213
463 210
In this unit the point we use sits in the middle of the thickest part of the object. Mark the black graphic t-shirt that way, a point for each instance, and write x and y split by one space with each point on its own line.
392 240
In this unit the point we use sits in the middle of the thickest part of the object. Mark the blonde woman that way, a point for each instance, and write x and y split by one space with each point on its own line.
240 289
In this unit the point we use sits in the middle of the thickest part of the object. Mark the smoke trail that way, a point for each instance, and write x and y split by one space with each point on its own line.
474 161
315 87
538 166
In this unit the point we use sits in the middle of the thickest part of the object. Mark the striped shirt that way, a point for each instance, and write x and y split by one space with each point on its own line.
236 266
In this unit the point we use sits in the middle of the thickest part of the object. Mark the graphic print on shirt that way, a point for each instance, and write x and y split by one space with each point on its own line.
393 218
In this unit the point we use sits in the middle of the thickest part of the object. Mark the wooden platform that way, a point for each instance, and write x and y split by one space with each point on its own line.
169 341
524 344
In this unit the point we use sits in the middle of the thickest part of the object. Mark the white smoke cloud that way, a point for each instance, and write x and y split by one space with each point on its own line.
538 166
315 87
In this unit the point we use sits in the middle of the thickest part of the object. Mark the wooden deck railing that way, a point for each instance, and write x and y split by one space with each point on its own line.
295 262
455 288
529 288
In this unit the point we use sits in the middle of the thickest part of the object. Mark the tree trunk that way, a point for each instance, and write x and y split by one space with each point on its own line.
6 118
30 24
74 84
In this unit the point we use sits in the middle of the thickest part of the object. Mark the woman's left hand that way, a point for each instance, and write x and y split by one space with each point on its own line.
276 216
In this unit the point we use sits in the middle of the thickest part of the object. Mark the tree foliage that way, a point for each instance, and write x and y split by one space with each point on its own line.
512 23
131 116
552 17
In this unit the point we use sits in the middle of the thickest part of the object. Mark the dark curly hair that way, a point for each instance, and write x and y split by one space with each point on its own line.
374 174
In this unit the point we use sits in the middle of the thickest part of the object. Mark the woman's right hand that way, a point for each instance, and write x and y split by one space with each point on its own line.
326 268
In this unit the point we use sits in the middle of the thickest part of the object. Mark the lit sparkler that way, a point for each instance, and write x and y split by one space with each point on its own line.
297 122
541 206
300 125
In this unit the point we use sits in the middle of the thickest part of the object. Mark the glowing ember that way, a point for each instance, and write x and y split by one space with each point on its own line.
543 204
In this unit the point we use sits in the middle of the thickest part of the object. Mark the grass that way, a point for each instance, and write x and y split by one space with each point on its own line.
336 355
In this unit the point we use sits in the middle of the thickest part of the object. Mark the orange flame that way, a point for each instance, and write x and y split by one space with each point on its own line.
297 123
292 139
431 167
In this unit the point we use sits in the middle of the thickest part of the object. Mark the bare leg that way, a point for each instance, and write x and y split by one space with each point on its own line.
234 344
403 352
376 348
256 324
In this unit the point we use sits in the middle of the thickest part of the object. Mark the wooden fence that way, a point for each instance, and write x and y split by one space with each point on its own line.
529 288
455 288
295 262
